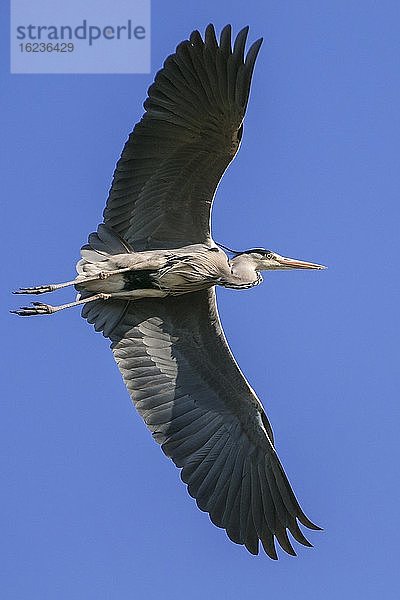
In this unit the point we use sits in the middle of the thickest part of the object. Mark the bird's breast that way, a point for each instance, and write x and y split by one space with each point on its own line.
186 274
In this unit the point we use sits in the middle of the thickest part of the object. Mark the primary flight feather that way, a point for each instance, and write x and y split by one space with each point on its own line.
147 280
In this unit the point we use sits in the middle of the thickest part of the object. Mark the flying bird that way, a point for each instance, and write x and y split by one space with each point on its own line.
147 280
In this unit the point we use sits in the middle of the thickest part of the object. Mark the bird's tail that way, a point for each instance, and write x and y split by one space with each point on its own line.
105 241
101 244
104 315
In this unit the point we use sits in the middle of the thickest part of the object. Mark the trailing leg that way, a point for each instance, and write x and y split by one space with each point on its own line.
80 280
38 308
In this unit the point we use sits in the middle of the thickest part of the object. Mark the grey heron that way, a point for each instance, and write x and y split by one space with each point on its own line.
147 280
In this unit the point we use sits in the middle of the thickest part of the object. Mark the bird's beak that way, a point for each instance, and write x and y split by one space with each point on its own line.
292 263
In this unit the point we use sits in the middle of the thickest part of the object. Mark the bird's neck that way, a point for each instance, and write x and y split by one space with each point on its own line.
243 273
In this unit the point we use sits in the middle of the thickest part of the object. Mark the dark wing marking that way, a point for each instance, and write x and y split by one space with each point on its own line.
165 180
194 399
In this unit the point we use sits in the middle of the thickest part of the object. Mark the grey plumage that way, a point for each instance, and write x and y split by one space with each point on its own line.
166 178
207 420
147 281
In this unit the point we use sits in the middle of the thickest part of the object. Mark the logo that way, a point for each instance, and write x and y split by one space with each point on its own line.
48 36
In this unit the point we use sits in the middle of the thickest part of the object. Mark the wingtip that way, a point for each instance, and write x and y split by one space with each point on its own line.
240 43
255 47
226 28
301 538
269 547
284 542
253 549
309 524
210 37
195 38
304 520
225 39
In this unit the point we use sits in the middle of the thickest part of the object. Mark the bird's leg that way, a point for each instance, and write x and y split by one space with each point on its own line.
138 294
43 289
80 280
38 308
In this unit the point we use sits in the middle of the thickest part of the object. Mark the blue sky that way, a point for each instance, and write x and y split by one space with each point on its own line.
91 507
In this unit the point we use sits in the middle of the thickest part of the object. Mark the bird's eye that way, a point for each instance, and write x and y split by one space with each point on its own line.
269 256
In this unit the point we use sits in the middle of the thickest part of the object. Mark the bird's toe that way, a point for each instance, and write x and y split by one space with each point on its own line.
40 289
36 308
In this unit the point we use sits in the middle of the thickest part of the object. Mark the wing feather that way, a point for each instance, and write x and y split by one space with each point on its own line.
170 167
196 402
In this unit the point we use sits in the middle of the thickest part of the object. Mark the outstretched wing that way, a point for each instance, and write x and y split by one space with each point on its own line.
165 180
194 399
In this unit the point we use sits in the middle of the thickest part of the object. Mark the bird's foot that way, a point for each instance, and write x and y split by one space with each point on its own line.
40 289
36 308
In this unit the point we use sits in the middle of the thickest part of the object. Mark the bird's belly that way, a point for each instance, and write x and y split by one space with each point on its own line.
184 276
110 285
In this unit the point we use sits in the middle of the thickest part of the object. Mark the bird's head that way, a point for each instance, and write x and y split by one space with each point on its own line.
267 260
